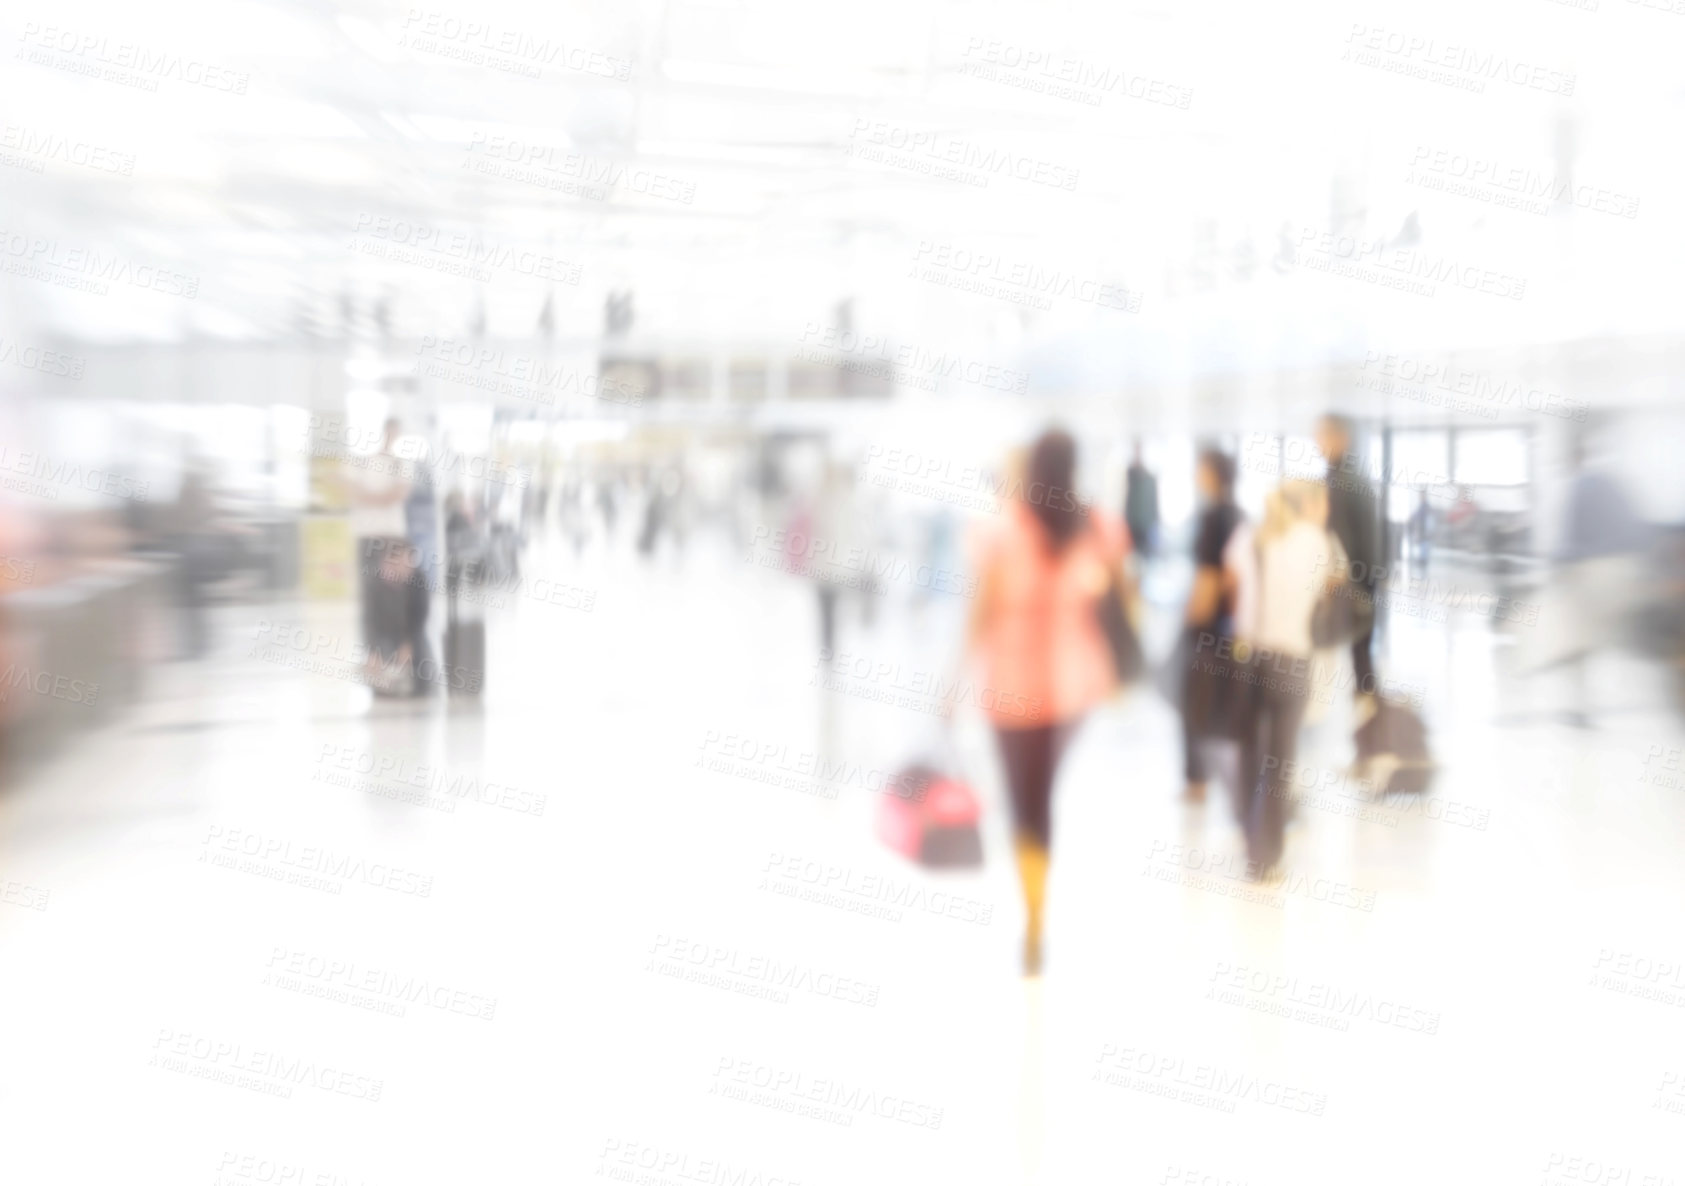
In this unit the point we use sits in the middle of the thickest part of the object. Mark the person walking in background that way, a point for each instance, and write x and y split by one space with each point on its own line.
1035 629
1419 531
379 487
1599 572
822 533
1297 565
421 529
1140 506
396 604
196 540
608 487
1354 516
1210 693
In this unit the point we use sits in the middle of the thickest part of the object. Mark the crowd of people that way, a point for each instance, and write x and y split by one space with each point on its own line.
1240 675
401 564
1275 610
1279 613
1263 599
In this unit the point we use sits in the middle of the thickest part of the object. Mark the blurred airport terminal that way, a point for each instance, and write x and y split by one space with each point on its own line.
683 592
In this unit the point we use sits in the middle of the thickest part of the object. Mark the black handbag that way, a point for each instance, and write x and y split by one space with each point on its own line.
1342 614
1345 612
1121 640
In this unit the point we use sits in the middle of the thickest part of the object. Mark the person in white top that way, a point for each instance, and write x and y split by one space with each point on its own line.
1297 563
378 484
1295 555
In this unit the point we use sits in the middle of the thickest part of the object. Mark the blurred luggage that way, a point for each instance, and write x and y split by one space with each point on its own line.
1392 747
1345 612
386 615
465 619
932 819
1342 614
1122 641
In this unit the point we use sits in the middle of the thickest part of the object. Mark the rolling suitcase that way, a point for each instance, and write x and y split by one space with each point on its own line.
465 630
1392 749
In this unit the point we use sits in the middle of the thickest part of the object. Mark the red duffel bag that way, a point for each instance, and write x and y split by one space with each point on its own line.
932 818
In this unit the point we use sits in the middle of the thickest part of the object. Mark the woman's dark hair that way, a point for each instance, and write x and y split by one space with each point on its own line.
1222 468
1047 487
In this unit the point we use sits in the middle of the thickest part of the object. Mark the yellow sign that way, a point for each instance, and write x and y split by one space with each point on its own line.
328 558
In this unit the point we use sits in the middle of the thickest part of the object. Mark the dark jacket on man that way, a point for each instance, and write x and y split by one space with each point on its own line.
1354 516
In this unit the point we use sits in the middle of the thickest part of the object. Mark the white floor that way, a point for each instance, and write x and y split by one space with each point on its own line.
1484 986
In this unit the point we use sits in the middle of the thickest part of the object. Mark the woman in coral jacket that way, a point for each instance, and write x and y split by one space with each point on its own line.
1036 631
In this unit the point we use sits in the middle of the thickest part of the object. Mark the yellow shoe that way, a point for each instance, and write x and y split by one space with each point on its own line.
1032 875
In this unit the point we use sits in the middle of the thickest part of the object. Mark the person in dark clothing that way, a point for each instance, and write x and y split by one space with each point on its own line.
379 485
196 540
1209 690
1140 506
396 602
1354 516
421 530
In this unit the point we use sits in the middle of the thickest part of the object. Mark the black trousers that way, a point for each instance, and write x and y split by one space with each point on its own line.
1213 697
1279 689
1031 757
388 608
